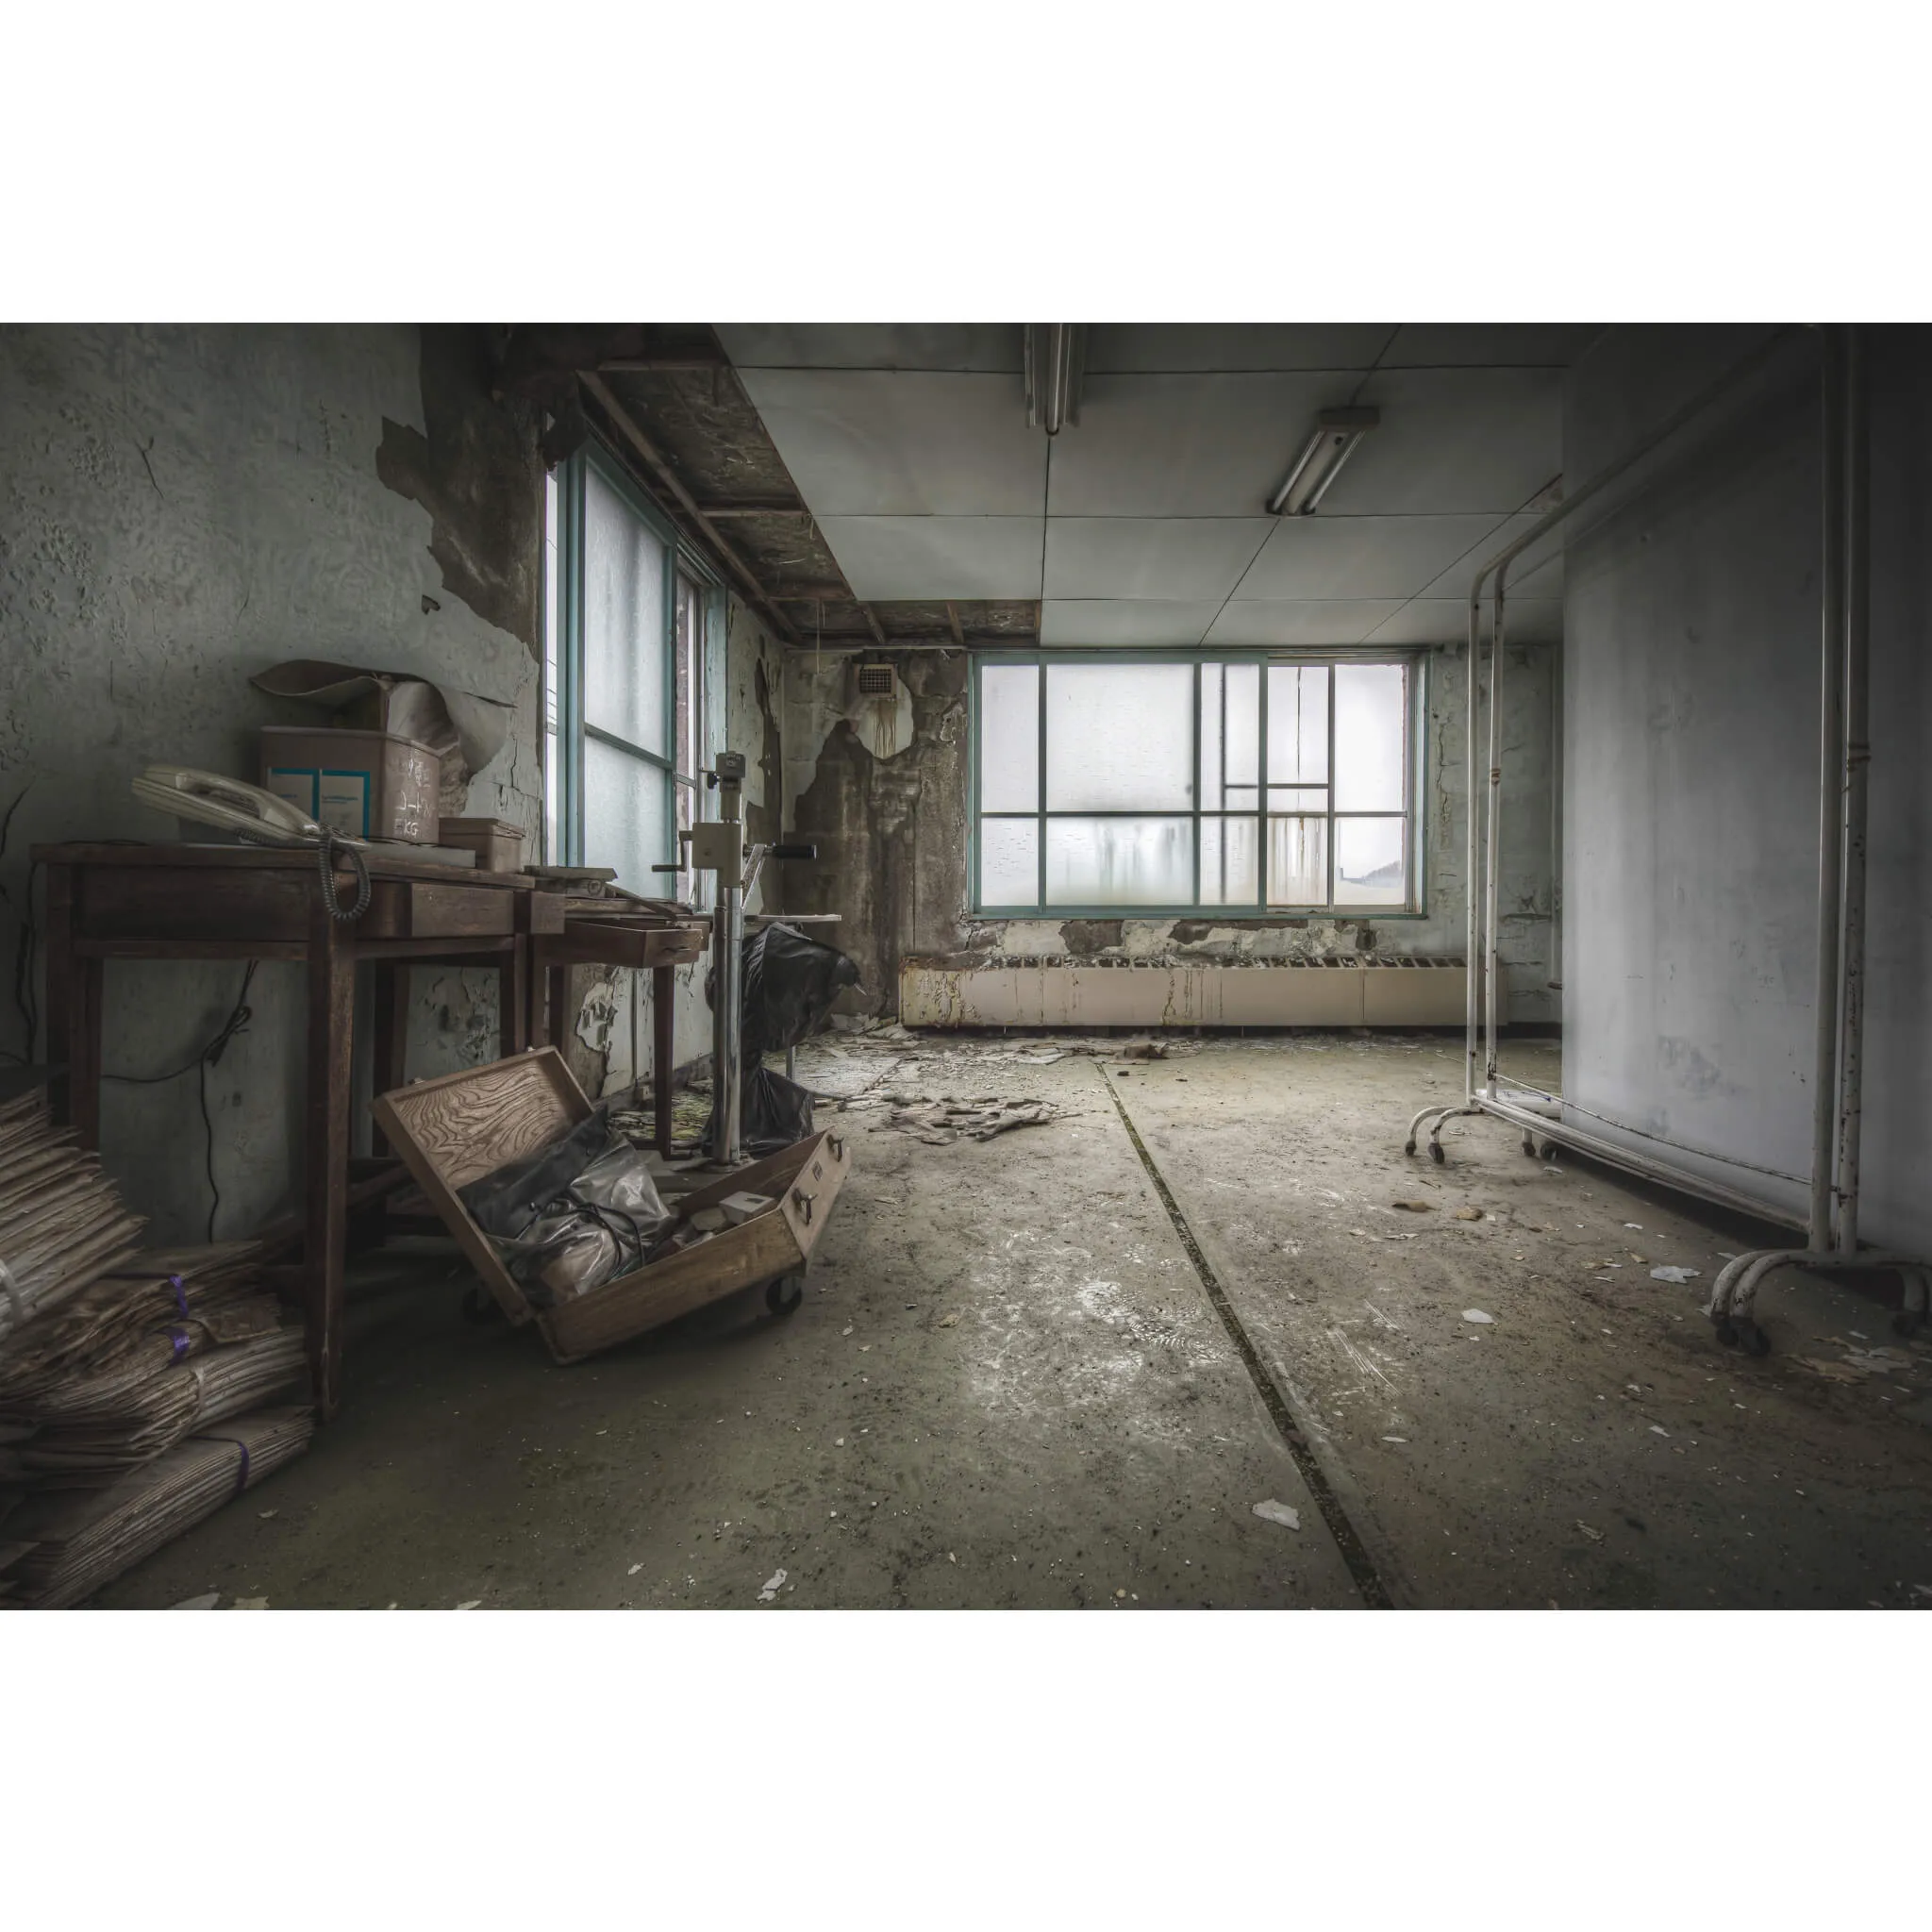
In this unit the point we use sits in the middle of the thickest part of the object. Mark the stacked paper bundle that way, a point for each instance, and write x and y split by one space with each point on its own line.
58 1547
104 1402
61 1221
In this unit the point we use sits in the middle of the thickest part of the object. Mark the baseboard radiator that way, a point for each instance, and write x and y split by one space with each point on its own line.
1066 992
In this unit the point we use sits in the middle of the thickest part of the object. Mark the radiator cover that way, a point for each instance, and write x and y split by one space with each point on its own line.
1067 993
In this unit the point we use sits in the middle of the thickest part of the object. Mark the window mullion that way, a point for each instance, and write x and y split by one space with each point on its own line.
1040 839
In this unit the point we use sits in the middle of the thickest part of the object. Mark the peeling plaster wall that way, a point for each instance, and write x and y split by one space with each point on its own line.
892 842
180 508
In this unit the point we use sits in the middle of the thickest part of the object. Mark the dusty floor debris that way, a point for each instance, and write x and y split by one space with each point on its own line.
1083 1423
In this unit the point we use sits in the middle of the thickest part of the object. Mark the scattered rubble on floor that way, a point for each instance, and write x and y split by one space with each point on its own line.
1679 1276
1476 1315
939 1123
772 1584
1272 1511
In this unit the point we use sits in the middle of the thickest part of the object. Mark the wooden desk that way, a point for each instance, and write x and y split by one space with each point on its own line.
245 901
639 940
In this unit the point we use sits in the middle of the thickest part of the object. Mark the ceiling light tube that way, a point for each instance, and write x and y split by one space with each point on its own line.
1337 433
1056 360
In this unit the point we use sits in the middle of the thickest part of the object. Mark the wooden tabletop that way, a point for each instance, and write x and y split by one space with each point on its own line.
182 856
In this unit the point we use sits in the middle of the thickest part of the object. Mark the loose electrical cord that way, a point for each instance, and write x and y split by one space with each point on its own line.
231 1028
329 848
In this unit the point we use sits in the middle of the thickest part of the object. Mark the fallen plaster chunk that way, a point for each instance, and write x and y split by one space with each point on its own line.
1272 1511
772 1584
1476 1315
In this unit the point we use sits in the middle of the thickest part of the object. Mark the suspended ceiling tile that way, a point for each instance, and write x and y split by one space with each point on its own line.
874 443
1445 621
1329 557
1165 347
1125 622
1453 441
1185 445
956 557
1172 561
1491 344
995 346
1303 622
1454 578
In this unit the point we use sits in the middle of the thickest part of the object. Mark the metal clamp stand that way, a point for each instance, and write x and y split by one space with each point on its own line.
718 845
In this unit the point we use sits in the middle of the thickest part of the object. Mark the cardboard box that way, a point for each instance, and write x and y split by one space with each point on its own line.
363 784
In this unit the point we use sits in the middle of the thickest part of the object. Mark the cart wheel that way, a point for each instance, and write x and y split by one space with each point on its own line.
1546 1150
1726 1331
479 1307
1530 1146
784 1295
1437 1154
1409 1146
1908 1322
1752 1339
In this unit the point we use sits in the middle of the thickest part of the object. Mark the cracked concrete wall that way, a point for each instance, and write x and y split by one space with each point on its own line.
180 508
1691 766
892 832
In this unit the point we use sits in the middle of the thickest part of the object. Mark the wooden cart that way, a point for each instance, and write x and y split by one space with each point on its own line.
451 1131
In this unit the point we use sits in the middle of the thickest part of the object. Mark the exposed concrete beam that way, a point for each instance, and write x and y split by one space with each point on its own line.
648 453
953 618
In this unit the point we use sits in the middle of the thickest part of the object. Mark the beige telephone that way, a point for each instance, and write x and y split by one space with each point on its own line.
209 799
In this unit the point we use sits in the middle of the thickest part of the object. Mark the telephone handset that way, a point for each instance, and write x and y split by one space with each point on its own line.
208 798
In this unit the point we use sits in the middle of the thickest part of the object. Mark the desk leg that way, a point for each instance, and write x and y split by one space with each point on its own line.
391 1033
663 1049
331 1042
513 1000
555 986
73 1014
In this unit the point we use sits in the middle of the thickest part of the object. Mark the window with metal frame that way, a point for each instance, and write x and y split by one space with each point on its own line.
614 716
1168 784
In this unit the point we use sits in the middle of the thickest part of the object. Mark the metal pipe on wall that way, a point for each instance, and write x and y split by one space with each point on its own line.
1830 791
1493 883
1472 880
1857 758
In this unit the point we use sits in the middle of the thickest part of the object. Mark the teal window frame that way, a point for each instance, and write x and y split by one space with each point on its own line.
1416 662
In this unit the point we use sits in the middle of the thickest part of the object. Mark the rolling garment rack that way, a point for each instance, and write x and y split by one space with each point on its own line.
1844 755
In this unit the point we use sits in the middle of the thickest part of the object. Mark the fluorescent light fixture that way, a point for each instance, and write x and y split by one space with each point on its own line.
1056 360
1337 432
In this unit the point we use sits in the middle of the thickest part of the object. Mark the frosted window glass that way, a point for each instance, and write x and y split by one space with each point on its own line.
625 816
1010 861
1297 861
1120 738
1371 737
1291 798
1370 862
1212 688
1120 861
1244 761
1298 723
1230 857
625 649
1010 740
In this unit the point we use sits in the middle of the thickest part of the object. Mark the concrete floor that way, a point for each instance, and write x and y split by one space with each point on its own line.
1009 1387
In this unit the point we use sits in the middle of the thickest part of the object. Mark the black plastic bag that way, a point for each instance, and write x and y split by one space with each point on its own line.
789 984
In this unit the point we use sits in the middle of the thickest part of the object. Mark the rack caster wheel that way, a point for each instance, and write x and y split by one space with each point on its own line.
1409 1146
1753 1340
1528 1146
1907 1322
784 1295
1545 1150
1726 1330
479 1307
1437 1154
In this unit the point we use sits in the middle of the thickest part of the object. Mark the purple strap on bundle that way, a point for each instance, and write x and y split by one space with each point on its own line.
180 1295
179 1338
241 1474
